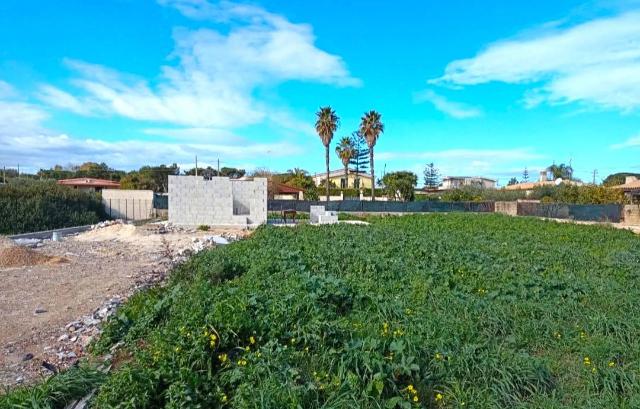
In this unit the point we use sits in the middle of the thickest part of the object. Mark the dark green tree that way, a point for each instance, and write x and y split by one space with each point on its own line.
400 185
360 161
431 176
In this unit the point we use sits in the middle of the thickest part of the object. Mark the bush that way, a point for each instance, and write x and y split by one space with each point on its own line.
27 206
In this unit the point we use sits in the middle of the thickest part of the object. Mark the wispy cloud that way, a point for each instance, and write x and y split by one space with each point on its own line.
455 109
216 73
632 142
25 139
596 62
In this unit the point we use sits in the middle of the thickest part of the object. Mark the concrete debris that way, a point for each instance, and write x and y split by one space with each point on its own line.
107 223
39 310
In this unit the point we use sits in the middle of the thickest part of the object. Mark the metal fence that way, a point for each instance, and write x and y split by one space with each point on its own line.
382 206
596 213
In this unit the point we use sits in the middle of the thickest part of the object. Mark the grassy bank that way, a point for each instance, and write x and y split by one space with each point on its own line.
439 311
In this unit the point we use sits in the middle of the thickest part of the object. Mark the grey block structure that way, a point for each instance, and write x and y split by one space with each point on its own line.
317 215
220 201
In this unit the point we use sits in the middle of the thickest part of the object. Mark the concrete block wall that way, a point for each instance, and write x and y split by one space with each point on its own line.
217 202
631 214
508 208
128 204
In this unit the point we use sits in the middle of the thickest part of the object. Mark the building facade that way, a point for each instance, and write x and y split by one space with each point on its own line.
456 182
351 181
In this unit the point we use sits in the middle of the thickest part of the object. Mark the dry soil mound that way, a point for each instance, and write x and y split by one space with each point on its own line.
17 256
113 232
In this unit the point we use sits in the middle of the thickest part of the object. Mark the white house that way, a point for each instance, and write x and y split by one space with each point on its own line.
455 182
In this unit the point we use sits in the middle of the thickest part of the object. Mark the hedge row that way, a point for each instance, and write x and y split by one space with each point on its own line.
28 206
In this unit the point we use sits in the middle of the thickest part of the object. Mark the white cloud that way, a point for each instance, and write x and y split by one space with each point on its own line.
632 142
216 73
455 109
596 62
25 139
469 155
20 118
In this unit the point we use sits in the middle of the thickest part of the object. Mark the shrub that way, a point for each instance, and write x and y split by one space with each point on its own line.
27 206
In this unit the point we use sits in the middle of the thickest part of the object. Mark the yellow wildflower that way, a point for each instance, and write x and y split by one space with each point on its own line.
223 358
252 340
612 364
439 397
224 398
242 362
587 361
415 398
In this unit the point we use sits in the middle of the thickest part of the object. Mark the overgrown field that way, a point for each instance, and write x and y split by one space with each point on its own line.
438 311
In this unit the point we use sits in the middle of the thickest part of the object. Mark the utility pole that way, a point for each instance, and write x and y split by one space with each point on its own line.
218 166
595 173
196 165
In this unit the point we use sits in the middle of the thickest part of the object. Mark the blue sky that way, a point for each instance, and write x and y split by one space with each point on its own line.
477 87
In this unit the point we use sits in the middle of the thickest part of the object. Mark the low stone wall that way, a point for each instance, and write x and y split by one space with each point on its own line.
631 214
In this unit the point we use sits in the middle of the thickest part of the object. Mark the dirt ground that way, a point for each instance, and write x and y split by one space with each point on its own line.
51 310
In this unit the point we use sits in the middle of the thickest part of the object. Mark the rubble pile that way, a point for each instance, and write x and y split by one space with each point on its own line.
106 223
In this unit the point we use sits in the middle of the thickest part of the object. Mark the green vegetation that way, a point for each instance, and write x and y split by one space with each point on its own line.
563 193
56 392
28 205
618 178
437 311
400 185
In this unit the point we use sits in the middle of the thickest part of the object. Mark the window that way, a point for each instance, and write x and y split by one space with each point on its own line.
356 183
343 183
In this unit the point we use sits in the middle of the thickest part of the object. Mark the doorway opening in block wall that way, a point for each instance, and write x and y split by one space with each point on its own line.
240 209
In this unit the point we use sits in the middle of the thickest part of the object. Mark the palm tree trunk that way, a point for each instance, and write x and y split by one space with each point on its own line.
373 176
327 162
346 176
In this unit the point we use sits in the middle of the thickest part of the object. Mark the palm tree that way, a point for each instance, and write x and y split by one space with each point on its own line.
327 123
345 152
371 127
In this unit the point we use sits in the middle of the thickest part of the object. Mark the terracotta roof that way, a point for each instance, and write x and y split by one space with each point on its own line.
90 182
282 188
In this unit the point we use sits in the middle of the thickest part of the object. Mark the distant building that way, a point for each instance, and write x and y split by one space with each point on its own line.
90 184
542 181
456 182
352 181
286 192
631 188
